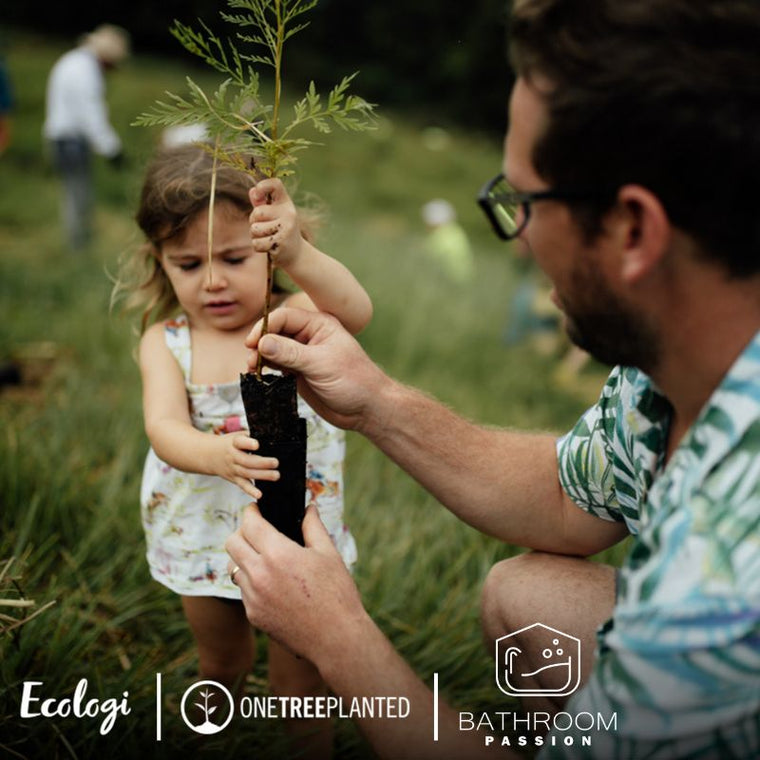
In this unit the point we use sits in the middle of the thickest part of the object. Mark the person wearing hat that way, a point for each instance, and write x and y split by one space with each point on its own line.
447 243
77 123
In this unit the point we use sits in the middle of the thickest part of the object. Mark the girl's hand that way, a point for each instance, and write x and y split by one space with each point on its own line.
236 463
274 223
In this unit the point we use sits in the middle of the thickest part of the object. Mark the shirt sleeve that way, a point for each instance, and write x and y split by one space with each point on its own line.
585 456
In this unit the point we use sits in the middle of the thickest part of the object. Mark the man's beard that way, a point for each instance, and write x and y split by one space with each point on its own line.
608 329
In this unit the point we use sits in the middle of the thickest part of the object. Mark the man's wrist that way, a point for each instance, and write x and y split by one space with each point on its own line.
348 644
385 398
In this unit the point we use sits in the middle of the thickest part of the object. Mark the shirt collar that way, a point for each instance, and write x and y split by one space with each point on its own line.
726 416
731 410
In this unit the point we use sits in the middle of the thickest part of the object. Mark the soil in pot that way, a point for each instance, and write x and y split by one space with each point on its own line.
271 408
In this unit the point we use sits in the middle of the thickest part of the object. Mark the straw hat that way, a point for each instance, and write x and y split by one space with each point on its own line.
109 43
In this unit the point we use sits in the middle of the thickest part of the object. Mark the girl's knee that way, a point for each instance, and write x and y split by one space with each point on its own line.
227 664
228 670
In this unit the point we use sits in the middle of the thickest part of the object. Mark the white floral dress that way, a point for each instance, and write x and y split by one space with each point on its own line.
187 516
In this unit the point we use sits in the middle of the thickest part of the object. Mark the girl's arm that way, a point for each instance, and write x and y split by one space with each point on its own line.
170 429
327 285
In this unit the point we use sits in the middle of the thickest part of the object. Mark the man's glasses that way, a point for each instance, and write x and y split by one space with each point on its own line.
509 211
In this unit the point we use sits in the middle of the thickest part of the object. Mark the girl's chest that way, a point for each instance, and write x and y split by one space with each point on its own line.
218 358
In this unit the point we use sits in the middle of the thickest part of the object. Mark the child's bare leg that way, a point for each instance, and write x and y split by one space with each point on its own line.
293 677
226 646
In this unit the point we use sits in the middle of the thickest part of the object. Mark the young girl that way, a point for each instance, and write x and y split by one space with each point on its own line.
202 469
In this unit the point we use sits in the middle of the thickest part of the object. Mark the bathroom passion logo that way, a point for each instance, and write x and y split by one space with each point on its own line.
537 661
548 665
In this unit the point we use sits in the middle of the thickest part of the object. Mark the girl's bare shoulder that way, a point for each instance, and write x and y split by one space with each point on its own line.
153 342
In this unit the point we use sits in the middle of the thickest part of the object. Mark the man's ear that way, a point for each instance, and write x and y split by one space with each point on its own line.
643 231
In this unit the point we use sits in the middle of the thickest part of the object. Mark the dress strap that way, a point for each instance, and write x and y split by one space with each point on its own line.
177 335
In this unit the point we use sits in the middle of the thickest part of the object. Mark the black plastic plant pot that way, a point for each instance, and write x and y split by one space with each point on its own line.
271 407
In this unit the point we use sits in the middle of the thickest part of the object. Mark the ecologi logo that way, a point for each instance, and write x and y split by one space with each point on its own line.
207 697
554 657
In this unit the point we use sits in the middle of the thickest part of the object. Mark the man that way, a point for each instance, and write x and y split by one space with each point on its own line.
632 152
76 122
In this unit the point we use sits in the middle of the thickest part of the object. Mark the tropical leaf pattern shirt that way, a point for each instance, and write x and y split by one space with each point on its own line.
679 661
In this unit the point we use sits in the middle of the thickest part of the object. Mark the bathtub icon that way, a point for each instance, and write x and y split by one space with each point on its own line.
554 658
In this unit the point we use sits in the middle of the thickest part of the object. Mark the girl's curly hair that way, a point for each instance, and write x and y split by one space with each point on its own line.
176 188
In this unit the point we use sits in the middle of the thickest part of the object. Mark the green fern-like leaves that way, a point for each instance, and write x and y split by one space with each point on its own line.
235 115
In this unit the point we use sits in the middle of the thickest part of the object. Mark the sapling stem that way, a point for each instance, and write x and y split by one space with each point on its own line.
211 202
267 299
277 72
267 307
273 130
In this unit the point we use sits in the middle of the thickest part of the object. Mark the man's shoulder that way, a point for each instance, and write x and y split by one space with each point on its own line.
77 61
630 401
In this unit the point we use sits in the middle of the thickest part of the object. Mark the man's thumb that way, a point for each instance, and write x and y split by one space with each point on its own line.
269 347
314 532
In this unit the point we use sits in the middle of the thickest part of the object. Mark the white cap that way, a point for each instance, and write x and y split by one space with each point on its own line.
109 43
437 212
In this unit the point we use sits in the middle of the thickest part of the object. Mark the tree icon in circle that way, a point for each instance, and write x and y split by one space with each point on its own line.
203 692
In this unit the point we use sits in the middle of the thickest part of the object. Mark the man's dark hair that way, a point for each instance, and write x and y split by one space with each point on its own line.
662 93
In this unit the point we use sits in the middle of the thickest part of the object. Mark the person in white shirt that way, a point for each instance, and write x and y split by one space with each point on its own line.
77 122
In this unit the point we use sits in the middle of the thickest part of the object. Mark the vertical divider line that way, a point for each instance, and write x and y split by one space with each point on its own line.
435 707
158 707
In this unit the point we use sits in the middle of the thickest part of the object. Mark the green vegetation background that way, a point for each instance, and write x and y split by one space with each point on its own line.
72 443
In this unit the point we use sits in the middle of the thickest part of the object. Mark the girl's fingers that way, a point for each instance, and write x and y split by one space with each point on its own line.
254 460
264 215
244 443
249 488
270 475
265 230
264 245
265 191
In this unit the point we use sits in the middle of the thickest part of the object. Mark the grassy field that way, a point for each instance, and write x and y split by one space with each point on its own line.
72 443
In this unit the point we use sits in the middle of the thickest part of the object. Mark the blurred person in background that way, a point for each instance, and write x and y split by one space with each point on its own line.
6 103
77 123
447 243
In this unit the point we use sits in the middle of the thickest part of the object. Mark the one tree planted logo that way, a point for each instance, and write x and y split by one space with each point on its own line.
207 707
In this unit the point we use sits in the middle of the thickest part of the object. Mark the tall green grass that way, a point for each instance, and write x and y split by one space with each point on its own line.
72 444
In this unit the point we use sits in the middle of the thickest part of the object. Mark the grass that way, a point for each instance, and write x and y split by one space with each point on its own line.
72 443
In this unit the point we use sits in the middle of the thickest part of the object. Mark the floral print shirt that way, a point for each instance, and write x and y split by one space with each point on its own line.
679 661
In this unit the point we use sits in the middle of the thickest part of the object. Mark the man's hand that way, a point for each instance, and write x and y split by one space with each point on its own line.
303 597
338 380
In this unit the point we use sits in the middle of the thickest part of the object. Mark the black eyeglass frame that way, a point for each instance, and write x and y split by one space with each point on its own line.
487 200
